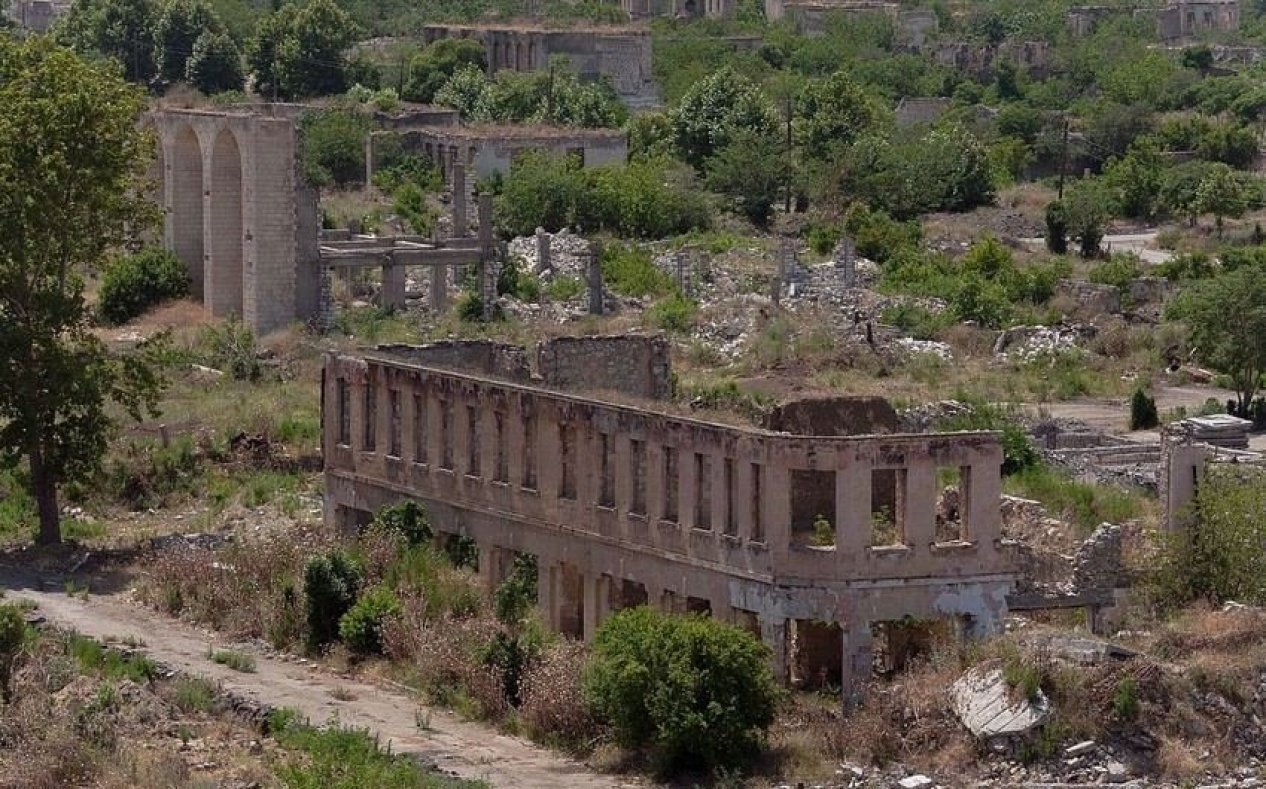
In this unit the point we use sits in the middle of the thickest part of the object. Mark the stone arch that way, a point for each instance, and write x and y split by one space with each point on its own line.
184 204
224 264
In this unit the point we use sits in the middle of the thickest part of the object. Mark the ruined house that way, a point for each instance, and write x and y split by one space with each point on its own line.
36 16
680 9
811 16
1178 20
827 547
620 54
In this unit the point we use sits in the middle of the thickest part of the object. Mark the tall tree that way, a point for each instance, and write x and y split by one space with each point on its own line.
180 24
119 29
1227 317
716 110
72 167
215 65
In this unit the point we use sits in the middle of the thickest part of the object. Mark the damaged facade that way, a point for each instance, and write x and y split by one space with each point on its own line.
828 547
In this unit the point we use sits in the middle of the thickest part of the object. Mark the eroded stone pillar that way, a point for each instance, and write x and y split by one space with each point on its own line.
858 658
544 252
487 257
439 289
596 604
594 279
773 632
392 294
461 225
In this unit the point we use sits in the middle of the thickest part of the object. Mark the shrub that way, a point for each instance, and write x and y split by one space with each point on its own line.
361 627
12 636
330 583
1120 271
1143 414
408 519
630 271
231 347
334 145
674 314
134 283
697 691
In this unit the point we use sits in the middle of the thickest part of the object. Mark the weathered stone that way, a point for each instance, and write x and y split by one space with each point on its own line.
987 706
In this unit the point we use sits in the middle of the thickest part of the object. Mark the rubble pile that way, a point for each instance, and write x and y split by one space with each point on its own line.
1029 343
568 253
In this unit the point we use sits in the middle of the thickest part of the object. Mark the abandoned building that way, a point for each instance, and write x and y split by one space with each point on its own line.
810 16
37 16
621 55
680 9
828 547
487 150
1178 20
238 213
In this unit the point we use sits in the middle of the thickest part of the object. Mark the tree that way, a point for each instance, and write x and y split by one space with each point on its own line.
1136 179
1222 193
302 52
1087 211
215 65
1057 227
1227 318
832 111
714 110
72 166
700 691
333 149
180 24
650 136
118 29
753 171
432 67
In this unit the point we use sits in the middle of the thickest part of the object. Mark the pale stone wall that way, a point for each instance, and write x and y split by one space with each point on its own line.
630 364
238 213
621 504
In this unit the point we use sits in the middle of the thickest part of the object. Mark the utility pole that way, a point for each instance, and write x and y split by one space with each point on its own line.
786 178
1063 158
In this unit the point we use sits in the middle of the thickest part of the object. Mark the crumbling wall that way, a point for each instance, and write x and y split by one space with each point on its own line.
479 357
634 364
835 416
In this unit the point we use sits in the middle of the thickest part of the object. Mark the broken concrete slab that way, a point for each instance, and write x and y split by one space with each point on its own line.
989 708
914 782
1082 651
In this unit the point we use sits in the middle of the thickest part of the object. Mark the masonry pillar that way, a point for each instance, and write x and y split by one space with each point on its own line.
594 279
920 504
544 252
392 294
369 161
547 592
773 632
439 289
487 257
461 226
489 570
597 603
852 509
857 643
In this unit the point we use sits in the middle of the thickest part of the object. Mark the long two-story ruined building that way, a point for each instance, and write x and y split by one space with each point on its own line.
623 505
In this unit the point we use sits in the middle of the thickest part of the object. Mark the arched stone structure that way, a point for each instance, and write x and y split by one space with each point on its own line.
239 214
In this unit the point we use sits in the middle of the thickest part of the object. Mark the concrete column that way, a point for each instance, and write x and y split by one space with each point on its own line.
720 493
488 566
544 252
434 429
920 504
461 436
622 468
516 441
548 470
852 509
408 422
588 466
439 289
654 482
488 440
547 579
596 603
594 280
461 225
382 427
369 161
776 506
687 498
857 643
743 483
487 256
774 633
392 295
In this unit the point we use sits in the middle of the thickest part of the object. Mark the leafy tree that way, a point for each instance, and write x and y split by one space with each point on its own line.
1136 179
753 171
699 691
1057 227
1227 318
715 110
433 66
1143 414
333 149
215 65
650 136
556 96
180 23
1228 143
118 29
134 283
1223 193
463 90
1180 189
72 167
1087 210
302 52
835 110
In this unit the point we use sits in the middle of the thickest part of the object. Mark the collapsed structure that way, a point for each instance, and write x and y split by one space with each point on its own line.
828 547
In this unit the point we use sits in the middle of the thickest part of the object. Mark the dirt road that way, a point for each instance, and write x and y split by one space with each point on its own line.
468 750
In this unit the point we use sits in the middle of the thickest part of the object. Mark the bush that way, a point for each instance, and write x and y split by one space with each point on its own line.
1120 271
408 519
1143 414
674 314
630 271
1057 227
134 283
334 145
697 691
231 347
330 584
361 627
12 636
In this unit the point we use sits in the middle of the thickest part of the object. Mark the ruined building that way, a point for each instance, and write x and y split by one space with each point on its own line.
828 547
238 213
1178 20
622 55
681 9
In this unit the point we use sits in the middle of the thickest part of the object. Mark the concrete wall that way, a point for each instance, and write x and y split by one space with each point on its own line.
682 9
480 357
37 16
488 150
620 55
630 364
237 212
604 494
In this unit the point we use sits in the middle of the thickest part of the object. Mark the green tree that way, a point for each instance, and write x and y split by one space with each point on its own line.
302 52
1227 318
752 171
699 691
833 111
432 67
650 136
715 110
1222 193
1087 210
463 90
1136 179
72 168
118 29
180 23
215 65
333 149
1057 227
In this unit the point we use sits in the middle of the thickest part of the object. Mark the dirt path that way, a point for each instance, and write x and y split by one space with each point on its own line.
468 750
1112 415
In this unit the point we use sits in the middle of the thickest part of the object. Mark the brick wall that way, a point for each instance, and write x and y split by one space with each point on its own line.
637 365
